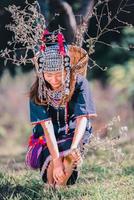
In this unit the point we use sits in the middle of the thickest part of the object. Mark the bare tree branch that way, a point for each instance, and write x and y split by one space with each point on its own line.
66 15
86 13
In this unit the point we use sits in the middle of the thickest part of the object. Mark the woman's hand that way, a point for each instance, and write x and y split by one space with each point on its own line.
58 170
75 156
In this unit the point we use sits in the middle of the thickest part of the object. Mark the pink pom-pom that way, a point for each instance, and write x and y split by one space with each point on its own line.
46 32
42 48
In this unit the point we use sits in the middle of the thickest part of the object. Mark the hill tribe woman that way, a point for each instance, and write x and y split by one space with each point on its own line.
61 109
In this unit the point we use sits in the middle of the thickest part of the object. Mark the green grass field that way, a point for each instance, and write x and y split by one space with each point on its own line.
107 174
108 169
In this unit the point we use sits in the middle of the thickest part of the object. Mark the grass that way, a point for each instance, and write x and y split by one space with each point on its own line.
99 180
107 173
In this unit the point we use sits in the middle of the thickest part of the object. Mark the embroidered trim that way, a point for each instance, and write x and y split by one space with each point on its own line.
42 140
38 122
92 115
49 158
87 115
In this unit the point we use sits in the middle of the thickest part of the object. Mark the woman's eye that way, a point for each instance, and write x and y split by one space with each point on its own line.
48 76
59 75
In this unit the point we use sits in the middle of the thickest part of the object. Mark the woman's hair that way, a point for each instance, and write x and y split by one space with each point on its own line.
33 94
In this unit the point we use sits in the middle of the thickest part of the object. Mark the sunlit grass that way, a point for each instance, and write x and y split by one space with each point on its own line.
99 180
108 169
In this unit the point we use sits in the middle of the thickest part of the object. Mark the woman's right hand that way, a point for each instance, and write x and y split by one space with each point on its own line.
58 170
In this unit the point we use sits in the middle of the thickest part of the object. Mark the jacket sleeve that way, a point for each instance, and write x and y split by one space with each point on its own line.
38 113
84 105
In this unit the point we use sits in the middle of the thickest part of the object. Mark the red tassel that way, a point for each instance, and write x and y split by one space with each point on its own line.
30 143
42 48
33 142
46 32
41 140
60 38
43 38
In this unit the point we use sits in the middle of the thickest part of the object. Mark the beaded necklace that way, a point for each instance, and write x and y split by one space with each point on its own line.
54 99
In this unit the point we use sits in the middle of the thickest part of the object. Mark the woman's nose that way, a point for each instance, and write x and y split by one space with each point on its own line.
54 80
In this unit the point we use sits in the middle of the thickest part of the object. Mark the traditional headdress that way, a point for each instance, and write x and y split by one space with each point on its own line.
52 56
55 55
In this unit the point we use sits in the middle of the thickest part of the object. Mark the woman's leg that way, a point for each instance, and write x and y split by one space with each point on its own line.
50 179
68 171
70 162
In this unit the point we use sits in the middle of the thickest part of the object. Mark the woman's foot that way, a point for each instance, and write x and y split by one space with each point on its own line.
75 156
51 183
50 179
70 162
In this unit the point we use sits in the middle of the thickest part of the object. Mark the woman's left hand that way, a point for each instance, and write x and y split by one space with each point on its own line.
75 155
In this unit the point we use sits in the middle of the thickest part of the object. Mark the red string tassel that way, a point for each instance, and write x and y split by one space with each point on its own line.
60 38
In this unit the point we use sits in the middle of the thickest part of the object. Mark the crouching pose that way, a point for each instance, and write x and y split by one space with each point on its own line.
61 110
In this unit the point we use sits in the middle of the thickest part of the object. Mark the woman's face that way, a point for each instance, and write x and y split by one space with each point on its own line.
54 78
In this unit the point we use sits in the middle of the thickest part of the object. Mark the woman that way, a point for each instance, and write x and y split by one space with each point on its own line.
61 109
